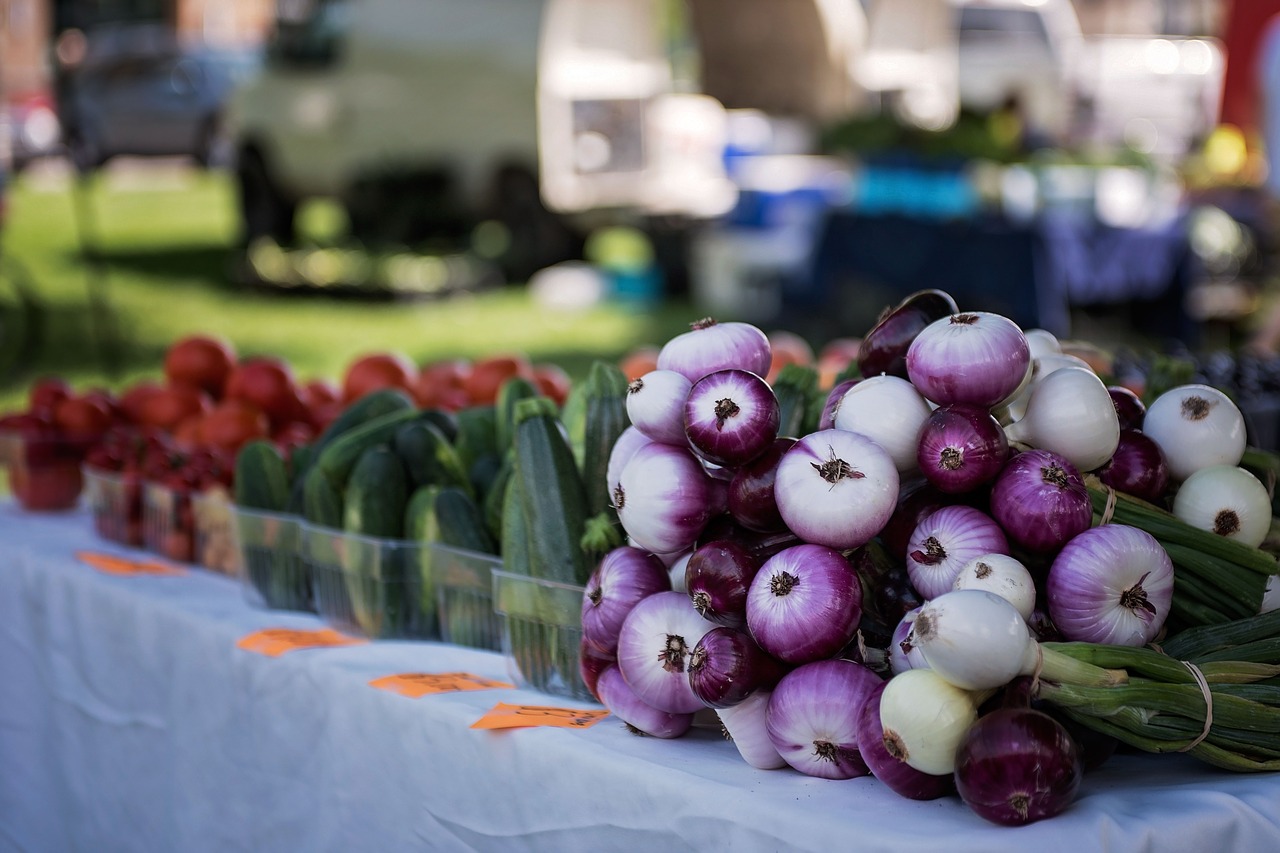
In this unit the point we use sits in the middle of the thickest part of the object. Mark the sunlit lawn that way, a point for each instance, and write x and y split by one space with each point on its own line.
165 235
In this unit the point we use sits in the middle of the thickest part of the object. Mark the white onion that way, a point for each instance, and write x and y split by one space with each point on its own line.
1070 413
655 405
1006 576
1225 500
974 639
624 448
1195 426
1042 342
746 727
925 719
888 410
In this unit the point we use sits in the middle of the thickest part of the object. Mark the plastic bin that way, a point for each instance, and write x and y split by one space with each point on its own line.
381 588
168 528
44 473
271 565
464 594
115 500
541 633
215 548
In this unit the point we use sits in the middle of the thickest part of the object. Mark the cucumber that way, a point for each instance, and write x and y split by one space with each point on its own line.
606 418
337 459
428 457
322 503
367 408
417 512
460 524
457 575
477 433
376 495
261 477
492 499
512 391
553 497
446 422
573 414
300 459
515 534
794 388
381 587
484 474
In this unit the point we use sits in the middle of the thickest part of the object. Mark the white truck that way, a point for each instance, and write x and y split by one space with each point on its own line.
424 117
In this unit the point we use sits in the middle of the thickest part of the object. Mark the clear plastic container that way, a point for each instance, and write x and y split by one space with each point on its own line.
464 594
381 588
541 633
212 510
44 473
271 566
168 528
115 500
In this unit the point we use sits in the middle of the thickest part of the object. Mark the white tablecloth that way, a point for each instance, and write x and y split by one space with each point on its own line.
130 721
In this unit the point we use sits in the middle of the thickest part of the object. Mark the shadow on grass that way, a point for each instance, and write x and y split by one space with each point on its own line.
204 265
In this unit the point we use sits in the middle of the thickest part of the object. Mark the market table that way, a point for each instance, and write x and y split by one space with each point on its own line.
131 721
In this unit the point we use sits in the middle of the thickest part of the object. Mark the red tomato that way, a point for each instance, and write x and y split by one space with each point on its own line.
552 381
293 435
267 383
171 406
232 424
639 361
442 384
487 375
46 393
374 372
834 357
82 417
133 400
202 362
46 486
318 392
787 348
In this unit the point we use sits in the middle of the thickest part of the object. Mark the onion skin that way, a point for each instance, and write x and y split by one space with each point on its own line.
813 717
654 645
804 604
972 357
1016 766
624 577
827 420
663 498
727 666
1137 468
961 447
717 578
1130 410
616 695
896 774
750 498
1041 501
731 417
710 346
884 347
945 542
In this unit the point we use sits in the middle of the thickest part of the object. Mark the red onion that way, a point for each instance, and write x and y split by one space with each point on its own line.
654 645
640 717
624 448
836 488
804 604
1041 501
751 500
813 717
731 416
664 498
710 346
896 774
624 577
1137 467
1130 410
831 407
590 664
655 405
760 545
916 500
1111 584
884 348
717 578
945 542
902 654
961 447
974 357
727 666
1016 766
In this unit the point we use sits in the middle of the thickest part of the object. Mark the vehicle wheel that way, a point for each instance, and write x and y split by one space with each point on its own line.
264 210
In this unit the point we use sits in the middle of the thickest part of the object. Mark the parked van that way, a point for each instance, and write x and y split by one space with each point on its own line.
425 116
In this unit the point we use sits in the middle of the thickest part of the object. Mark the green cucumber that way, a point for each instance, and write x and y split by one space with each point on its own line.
511 392
606 418
367 408
428 457
322 503
477 433
553 497
418 511
446 422
376 495
493 499
337 459
515 533
377 568
261 477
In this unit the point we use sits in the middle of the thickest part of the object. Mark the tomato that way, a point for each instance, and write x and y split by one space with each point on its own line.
267 383
106 399
834 357
373 372
172 405
552 381
47 393
488 374
787 348
231 424
639 361
442 384
318 392
47 485
186 435
321 416
202 362
133 400
82 417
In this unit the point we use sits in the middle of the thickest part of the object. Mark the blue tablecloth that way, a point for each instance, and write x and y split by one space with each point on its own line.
129 721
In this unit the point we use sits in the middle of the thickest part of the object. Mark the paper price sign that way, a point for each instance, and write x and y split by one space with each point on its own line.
112 564
504 716
416 684
274 642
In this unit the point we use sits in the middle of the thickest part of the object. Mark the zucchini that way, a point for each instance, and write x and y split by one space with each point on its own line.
446 422
417 512
322 503
428 457
375 567
515 534
553 498
493 499
606 418
461 583
261 477
337 459
477 433
484 475
376 495
512 391
374 405
573 414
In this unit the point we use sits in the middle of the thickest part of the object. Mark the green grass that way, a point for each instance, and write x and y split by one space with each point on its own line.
166 250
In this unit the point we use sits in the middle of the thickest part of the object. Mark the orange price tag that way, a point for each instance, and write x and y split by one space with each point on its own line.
113 564
416 684
504 716
274 642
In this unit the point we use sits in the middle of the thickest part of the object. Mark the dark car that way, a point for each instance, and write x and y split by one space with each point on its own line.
149 104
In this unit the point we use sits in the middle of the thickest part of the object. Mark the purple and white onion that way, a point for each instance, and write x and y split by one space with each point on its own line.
812 717
624 577
972 357
731 417
804 604
623 702
945 541
664 498
710 346
1041 501
654 645
961 447
655 405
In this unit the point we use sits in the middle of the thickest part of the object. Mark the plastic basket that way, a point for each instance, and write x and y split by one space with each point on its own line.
381 588
168 527
215 543
464 595
115 501
541 625
44 473
271 566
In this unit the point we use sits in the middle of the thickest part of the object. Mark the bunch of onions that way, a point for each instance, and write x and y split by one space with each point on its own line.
1196 426
974 357
1040 500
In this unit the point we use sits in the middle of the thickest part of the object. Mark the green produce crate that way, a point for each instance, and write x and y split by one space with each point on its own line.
541 633
271 563
464 596
381 588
